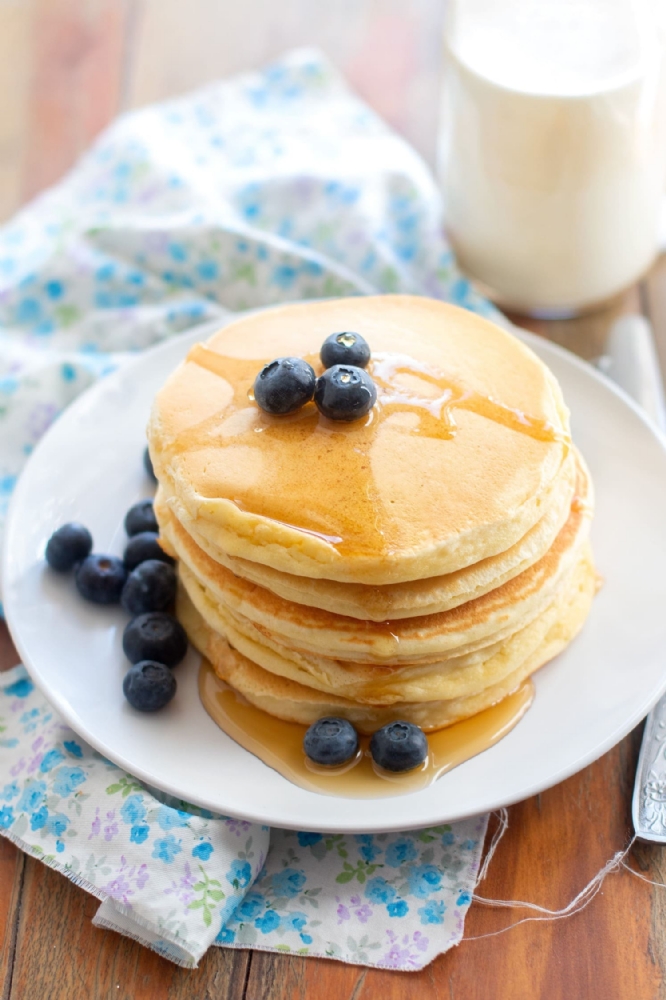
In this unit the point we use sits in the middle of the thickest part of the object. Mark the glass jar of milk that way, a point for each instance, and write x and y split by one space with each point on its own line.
553 146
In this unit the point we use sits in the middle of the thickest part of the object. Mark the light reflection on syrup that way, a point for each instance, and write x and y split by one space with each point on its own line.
436 417
279 744
331 539
435 414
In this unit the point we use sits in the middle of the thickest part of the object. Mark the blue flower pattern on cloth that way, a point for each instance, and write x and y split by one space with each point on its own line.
240 875
50 759
338 205
288 883
203 851
139 833
133 809
390 900
101 828
166 848
284 186
400 851
6 817
378 890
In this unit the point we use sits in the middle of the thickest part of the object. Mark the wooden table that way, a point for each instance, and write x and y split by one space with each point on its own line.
66 68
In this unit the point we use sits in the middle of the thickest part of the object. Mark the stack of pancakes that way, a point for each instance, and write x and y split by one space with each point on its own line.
416 564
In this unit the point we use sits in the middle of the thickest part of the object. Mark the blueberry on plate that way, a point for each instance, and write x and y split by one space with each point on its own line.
330 741
142 547
345 349
67 546
101 579
155 636
141 517
150 587
400 746
284 385
345 392
149 686
148 465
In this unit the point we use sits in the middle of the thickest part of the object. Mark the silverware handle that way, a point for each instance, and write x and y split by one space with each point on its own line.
648 808
631 360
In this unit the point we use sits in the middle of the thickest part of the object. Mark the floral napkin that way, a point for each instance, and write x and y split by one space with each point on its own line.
178 878
273 186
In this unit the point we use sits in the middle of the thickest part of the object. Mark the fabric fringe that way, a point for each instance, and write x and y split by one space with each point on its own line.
108 925
132 921
141 930
51 862
578 903
502 827
135 922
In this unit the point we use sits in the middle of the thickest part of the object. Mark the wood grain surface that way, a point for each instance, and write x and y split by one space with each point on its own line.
66 68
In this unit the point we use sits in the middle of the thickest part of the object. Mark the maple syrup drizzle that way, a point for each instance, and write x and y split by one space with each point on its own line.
279 744
581 506
309 445
436 419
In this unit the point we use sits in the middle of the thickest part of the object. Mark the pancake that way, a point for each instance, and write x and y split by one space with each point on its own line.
295 702
429 680
460 459
230 602
418 563
391 601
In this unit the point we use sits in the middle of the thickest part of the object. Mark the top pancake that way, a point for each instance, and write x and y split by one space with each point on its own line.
462 455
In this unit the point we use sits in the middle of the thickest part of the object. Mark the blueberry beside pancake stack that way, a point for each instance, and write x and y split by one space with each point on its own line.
417 563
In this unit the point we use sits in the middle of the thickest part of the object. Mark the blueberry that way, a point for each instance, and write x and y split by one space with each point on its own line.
344 392
155 636
148 465
400 746
150 587
345 349
101 579
141 517
67 546
149 686
330 741
144 546
284 385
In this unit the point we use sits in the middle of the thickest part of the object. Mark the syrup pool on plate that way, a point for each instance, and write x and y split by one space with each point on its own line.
280 744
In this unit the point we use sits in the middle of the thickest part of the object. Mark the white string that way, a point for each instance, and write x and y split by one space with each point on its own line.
578 903
643 878
503 826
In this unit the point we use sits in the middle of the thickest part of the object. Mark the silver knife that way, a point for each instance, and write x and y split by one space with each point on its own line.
631 361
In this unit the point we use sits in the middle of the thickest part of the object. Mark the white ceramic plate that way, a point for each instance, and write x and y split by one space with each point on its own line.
89 468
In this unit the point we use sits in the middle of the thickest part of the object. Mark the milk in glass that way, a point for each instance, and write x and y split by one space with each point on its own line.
553 146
